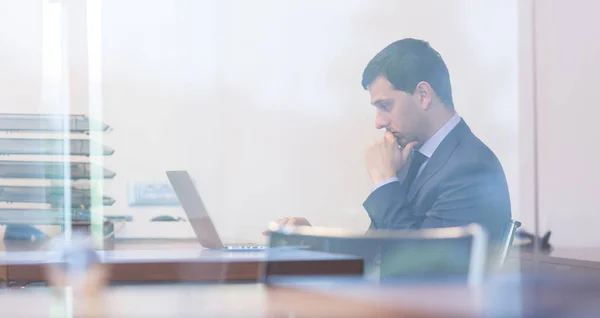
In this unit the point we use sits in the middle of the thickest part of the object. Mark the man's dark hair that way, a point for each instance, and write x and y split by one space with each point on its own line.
407 62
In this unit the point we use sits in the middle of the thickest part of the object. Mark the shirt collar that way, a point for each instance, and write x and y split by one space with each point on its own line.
434 142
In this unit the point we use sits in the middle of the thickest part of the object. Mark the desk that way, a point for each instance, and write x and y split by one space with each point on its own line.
506 297
247 300
560 260
174 262
500 296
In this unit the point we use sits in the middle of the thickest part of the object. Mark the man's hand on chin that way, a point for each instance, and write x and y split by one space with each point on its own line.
384 158
296 221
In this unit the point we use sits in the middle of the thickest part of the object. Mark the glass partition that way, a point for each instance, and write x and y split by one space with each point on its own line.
266 111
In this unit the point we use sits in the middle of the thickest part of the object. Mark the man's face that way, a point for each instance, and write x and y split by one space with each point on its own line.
398 112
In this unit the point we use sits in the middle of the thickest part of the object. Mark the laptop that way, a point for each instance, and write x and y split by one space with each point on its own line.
194 208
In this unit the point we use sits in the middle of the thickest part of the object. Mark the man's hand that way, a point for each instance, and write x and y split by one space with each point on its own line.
291 221
384 159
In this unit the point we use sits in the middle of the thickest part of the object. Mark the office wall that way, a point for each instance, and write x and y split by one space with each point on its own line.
567 78
261 100
20 55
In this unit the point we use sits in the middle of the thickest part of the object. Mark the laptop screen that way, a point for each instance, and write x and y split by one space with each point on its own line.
194 208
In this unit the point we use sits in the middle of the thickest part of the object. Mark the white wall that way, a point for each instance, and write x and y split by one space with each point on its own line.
20 55
568 71
261 100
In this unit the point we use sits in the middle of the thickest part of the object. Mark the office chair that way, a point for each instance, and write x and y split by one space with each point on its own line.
393 256
508 237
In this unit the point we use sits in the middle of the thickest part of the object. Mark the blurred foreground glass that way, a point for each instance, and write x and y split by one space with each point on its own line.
456 254
77 276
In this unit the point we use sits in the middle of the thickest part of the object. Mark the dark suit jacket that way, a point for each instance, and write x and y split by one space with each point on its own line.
463 182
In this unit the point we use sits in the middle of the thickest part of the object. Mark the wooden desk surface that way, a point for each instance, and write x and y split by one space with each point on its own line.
589 254
584 260
571 295
507 297
247 300
186 261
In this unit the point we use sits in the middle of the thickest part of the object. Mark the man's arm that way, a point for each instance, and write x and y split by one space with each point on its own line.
472 193
475 194
384 182
387 207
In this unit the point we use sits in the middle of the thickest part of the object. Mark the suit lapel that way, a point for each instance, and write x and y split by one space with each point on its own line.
439 157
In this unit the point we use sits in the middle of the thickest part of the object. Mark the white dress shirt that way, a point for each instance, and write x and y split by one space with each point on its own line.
429 147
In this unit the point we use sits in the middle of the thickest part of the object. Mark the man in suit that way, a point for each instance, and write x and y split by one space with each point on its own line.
429 170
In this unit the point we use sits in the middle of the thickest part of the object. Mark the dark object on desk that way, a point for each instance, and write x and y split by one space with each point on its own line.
26 233
23 232
526 241
167 218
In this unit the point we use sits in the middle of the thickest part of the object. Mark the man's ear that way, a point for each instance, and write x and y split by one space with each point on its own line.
423 94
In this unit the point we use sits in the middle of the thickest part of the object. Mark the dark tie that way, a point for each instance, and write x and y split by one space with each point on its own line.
415 163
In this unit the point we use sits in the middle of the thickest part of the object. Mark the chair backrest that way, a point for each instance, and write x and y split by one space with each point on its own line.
418 255
507 239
